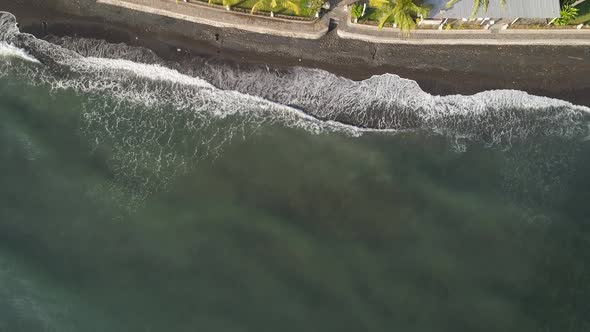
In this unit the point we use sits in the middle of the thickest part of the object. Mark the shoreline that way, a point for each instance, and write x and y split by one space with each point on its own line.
559 72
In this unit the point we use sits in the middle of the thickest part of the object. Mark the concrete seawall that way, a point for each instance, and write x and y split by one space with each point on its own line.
555 37
211 15
221 18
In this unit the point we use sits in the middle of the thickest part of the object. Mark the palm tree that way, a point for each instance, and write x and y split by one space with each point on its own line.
402 12
226 3
477 4
274 5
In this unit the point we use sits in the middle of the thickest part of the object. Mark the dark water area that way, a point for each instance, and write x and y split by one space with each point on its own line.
138 198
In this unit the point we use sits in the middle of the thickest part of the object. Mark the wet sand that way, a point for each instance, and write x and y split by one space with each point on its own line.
553 71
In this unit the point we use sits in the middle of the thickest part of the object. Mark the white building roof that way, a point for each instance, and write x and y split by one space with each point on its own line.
512 9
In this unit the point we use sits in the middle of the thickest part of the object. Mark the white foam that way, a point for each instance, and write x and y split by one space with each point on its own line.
148 71
391 102
152 115
10 51
158 121
317 100
130 81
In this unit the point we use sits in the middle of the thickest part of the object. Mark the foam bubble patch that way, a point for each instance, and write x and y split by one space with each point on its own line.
9 51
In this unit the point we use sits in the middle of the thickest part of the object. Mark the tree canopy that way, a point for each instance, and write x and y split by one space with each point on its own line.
275 5
401 12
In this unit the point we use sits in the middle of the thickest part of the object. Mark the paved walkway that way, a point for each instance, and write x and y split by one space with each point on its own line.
203 14
573 37
349 30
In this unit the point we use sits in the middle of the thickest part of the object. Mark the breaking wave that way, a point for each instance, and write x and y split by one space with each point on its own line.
156 121
307 98
494 118
7 50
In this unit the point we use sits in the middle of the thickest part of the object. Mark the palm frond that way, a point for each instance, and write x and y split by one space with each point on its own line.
379 3
413 8
257 5
477 4
403 13
291 5
485 5
451 3
276 5
475 8
229 2
384 19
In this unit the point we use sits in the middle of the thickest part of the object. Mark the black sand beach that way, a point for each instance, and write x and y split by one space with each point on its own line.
553 71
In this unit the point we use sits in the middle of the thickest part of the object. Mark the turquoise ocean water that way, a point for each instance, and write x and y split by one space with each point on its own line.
136 197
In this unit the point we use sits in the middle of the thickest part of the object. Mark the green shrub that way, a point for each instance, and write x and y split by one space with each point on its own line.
567 14
356 11
313 5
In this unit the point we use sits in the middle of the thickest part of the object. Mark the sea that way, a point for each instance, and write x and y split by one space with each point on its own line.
141 194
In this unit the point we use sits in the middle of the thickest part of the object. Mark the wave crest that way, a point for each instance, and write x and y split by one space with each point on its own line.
383 102
7 50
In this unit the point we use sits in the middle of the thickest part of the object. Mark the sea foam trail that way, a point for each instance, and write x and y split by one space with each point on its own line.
387 101
313 99
155 121
7 50
151 84
157 118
